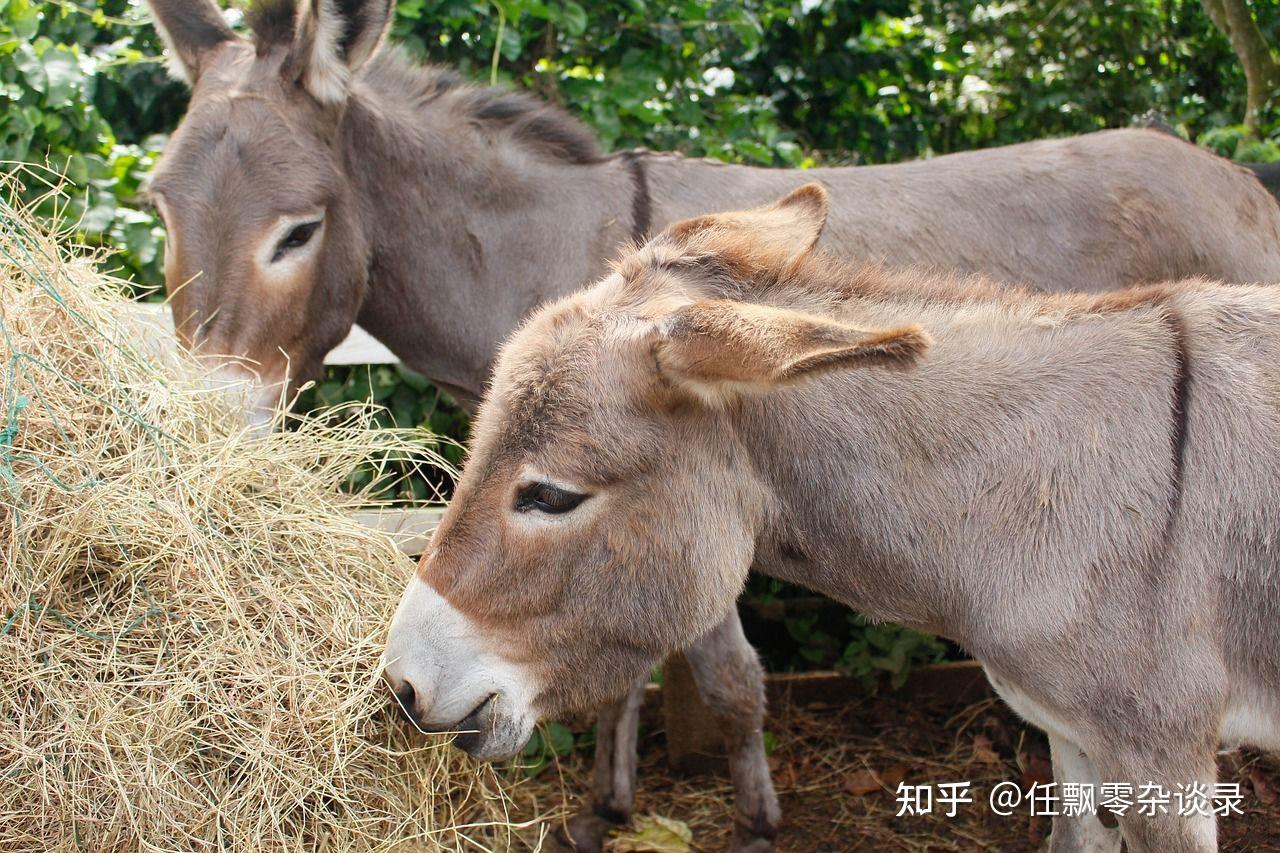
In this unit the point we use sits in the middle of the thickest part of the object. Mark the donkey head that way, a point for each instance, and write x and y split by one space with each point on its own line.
609 512
266 259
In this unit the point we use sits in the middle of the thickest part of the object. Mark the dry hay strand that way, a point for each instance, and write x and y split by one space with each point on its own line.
189 622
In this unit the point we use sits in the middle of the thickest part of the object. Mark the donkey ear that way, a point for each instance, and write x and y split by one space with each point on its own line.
191 31
720 347
335 38
765 239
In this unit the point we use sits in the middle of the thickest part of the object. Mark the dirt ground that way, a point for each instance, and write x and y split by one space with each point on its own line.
826 762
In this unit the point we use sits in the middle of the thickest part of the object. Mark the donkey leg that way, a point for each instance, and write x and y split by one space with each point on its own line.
1166 832
613 788
731 681
1077 833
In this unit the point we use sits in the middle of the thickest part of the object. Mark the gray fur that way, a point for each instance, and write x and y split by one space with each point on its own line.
1081 491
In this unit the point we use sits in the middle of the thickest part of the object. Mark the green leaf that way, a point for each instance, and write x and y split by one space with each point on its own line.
23 19
26 60
64 80
100 214
572 18
561 739
410 9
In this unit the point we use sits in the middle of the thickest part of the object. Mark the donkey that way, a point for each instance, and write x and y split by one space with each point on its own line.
320 179
1082 490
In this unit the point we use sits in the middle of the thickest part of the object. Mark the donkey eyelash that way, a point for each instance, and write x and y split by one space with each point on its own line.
297 237
549 499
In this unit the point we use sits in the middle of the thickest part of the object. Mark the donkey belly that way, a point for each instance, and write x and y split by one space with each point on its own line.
1031 710
1252 718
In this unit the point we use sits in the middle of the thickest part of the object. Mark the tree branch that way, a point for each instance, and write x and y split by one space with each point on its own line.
1261 68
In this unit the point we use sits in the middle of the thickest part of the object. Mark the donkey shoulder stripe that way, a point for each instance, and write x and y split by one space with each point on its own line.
641 202
1180 410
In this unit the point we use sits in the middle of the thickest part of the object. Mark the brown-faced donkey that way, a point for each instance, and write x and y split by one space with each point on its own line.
320 178
1083 491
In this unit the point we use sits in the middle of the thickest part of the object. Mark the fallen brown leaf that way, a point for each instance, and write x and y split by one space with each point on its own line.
863 782
1264 788
984 751
893 777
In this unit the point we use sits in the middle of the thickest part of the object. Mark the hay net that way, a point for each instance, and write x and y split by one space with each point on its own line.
189 623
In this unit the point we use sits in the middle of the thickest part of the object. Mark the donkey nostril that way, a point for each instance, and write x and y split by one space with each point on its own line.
405 696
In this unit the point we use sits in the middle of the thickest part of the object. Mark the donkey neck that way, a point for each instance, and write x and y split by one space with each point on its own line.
471 227
469 230
984 473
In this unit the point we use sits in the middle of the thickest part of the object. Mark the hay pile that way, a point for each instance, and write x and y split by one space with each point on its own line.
189 626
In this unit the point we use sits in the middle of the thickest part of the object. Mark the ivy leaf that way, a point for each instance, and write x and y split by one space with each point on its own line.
655 834
560 738
23 18
64 79
572 18
26 60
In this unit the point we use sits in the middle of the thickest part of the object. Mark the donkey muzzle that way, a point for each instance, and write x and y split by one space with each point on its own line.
448 676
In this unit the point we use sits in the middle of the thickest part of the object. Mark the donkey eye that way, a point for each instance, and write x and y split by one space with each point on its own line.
297 237
547 498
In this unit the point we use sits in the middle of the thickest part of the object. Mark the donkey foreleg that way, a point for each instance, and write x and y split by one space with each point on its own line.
731 681
613 788
1166 831
1077 833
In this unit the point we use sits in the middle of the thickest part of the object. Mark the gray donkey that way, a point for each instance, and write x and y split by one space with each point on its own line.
1084 491
318 180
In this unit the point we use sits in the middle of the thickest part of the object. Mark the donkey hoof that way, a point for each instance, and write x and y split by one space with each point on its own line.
586 833
746 841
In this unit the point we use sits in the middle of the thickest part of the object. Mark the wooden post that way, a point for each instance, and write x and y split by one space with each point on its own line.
695 743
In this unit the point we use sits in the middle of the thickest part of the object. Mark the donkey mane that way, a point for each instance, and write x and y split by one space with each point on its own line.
822 274
826 280
536 124
541 126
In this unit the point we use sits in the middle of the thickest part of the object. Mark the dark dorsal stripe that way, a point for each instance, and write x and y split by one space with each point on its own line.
1179 410
641 203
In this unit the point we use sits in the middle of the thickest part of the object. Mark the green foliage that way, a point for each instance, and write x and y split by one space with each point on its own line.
550 741
657 73
818 634
406 399
81 90
887 79
1236 142
884 649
